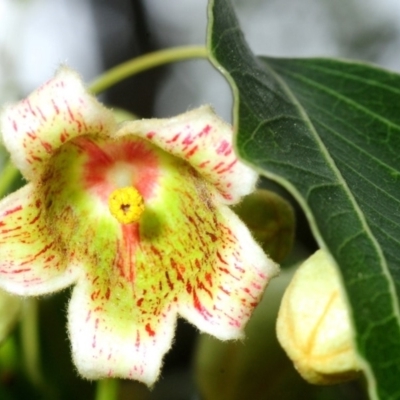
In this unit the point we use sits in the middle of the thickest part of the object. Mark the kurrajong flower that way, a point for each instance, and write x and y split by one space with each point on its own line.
136 216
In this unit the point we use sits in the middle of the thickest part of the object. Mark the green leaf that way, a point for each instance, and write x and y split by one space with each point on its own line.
329 131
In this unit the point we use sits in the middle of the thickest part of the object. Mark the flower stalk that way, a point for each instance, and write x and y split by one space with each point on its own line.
107 389
144 63
30 341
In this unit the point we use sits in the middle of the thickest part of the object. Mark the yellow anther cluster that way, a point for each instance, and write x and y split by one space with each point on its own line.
126 205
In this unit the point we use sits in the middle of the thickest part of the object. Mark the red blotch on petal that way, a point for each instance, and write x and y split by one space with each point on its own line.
149 330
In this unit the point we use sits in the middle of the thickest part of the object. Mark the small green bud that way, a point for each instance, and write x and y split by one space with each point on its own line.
271 220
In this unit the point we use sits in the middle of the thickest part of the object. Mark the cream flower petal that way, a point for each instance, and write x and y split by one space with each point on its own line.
31 261
221 302
113 338
205 141
58 111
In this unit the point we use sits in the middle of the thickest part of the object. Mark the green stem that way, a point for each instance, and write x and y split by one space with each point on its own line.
30 340
107 389
145 62
8 174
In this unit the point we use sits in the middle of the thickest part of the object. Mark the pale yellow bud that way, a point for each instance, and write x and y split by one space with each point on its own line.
314 324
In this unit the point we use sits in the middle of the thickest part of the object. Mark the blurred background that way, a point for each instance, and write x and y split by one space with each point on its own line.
92 36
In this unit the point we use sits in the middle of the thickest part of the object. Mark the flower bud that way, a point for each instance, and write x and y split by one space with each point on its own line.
271 221
314 324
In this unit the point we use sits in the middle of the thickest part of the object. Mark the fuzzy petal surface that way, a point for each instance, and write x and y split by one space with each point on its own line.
31 260
224 296
58 111
205 141
111 337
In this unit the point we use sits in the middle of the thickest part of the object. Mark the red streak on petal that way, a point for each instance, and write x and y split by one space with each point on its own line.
50 258
224 290
188 287
206 130
201 286
88 316
222 171
156 252
126 251
108 293
204 163
35 219
199 307
64 136
219 165
149 330
12 210
19 271
150 135
174 139
55 107
95 295
223 147
220 258
209 278
15 126
47 146
192 151
139 302
179 270
71 115
41 114
212 236
170 284
30 109
225 270
47 247
188 140
10 230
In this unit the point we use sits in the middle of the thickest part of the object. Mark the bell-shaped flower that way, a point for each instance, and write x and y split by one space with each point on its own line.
136 216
